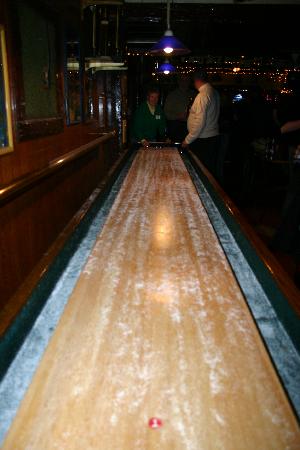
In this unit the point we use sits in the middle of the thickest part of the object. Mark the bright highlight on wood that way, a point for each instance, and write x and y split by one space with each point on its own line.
156 327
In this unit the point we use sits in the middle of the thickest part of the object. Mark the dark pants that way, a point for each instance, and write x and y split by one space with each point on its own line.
207 150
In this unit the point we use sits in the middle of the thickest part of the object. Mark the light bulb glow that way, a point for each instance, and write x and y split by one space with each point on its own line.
166 68
168 50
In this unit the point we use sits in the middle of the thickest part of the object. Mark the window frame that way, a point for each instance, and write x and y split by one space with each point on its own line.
10 147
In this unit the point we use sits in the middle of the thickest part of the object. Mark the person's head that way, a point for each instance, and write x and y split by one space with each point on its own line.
183 82
153 96
200 78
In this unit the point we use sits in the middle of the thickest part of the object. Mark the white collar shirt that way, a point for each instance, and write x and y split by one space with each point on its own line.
203 120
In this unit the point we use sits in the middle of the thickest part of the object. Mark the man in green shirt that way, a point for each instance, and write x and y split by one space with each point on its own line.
149 122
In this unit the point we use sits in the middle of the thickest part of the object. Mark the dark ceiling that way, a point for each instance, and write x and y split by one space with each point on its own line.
251 30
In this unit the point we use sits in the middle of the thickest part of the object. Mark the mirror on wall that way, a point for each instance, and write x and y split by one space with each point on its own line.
6 140
37 56
39 62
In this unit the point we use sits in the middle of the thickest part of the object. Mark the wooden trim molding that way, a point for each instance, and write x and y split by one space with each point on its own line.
6 87
22 184
34 128
274 268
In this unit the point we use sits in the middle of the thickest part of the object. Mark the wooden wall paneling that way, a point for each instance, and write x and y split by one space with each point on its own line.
110 98
33 155
115 94
101 87
102 108
31 129
33 291
31 222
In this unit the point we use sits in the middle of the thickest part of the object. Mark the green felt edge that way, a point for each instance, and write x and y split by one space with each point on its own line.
286 314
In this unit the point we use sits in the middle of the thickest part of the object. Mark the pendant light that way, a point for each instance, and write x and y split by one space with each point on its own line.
169 44
166 68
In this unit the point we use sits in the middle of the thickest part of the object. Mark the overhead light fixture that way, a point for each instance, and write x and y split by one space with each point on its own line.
166 68
103 63
169 44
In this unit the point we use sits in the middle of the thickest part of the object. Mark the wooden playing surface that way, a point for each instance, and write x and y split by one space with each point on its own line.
156 327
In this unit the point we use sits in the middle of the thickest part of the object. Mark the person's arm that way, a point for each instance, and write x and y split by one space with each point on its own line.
197 121
290 126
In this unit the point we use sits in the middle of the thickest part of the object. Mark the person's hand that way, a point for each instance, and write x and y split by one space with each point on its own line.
145 143
184 144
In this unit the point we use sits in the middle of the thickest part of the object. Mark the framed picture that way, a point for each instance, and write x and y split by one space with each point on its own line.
6 136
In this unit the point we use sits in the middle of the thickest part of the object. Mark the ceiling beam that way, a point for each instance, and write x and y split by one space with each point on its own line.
224 2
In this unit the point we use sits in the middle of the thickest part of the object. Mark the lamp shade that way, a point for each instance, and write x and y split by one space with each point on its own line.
169 44
166 68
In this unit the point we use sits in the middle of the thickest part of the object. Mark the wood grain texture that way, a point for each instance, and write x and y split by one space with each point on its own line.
156 326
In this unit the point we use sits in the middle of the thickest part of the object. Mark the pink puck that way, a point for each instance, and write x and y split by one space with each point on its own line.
155 422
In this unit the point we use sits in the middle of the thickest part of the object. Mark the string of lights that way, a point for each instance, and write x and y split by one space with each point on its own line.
276 77
230 68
